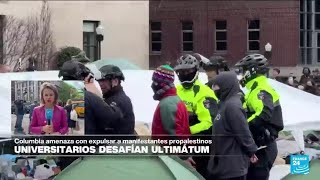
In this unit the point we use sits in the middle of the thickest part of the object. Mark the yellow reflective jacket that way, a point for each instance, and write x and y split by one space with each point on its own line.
263 105
202 105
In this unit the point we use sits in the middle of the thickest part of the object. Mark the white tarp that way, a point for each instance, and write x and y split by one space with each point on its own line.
279 171
300 109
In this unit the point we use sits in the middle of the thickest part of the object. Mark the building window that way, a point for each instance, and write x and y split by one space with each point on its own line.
309 32
2 18
317 27
90 42
187 36
221 35
254 35
156 37
318 48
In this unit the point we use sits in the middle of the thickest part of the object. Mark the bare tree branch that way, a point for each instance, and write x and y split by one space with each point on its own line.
29 37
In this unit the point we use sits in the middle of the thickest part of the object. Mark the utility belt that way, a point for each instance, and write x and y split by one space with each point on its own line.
265 137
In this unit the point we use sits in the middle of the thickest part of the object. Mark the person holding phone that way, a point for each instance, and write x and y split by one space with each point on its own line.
49 118
100 117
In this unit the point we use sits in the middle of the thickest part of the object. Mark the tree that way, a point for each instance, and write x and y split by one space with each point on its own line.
65 92
65 54
79 95
29 37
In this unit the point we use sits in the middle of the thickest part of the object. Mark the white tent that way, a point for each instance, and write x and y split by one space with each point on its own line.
300 109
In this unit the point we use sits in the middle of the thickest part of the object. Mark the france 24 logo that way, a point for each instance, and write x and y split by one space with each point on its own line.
299 164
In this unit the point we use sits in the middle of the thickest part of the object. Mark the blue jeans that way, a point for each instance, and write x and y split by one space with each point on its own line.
18 125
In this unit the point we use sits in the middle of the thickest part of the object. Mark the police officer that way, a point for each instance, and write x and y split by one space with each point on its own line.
264 113
113 93
200 100
215 65
99 115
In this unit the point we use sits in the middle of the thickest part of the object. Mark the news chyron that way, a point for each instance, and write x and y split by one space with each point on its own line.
48 108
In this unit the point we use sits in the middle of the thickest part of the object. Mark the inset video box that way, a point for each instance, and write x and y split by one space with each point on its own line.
47 108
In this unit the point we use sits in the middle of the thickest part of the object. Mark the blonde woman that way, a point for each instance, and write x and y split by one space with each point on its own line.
49 118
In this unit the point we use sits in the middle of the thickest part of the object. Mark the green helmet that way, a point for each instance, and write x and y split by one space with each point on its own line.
111 72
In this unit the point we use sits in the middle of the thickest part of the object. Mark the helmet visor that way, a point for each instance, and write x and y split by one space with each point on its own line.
187 75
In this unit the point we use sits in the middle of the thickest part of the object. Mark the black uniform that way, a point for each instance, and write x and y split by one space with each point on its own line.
126 124
264 113
117 96
234 146
100 117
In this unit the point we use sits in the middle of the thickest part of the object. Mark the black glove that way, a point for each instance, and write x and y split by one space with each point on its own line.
265 138
193 119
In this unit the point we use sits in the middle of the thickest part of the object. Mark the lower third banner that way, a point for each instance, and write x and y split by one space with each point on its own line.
110 145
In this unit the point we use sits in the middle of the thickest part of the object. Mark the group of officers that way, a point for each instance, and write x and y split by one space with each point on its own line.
244 125
259 108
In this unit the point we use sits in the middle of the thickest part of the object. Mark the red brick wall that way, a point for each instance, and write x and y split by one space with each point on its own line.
279 25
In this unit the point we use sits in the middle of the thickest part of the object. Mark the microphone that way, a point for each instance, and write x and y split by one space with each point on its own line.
49 114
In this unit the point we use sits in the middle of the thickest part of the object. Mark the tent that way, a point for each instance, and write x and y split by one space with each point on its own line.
300 109
129 167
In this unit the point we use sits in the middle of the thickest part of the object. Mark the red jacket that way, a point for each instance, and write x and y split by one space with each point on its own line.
171 117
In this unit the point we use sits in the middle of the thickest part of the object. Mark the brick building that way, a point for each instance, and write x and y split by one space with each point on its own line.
228 28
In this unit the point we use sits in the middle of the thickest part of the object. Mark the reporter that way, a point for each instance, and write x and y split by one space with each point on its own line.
40 123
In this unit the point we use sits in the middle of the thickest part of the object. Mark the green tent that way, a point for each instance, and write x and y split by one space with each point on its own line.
314 173
129 167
